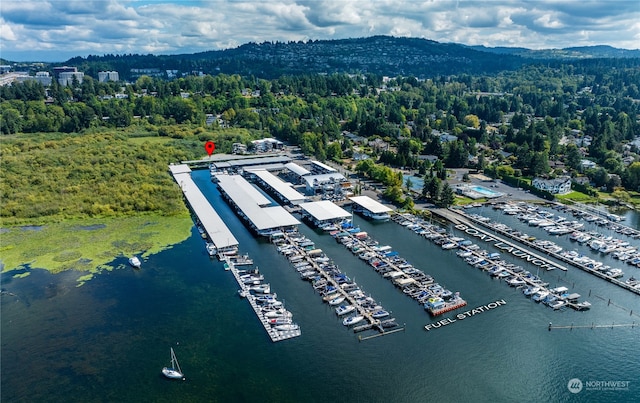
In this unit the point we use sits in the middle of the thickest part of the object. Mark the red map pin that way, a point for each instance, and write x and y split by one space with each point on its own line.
210 147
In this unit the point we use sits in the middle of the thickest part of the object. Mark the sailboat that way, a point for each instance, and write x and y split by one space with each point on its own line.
173 372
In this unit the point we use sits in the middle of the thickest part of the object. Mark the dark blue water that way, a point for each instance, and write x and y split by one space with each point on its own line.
108 340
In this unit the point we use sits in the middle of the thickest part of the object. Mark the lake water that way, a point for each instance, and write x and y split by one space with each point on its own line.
109 339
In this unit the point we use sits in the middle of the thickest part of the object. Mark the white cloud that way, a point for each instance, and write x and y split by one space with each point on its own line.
32 27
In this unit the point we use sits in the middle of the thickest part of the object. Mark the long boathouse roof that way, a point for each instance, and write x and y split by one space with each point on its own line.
213 225
297 169
324 210
368 203
283 189
254 205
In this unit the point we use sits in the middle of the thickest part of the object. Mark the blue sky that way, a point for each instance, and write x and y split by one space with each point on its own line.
55 30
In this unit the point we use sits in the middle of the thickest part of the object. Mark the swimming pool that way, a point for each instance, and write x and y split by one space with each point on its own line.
478 192
485 192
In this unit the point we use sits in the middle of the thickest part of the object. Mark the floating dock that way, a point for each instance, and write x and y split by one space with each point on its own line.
274 334
413 282
558 256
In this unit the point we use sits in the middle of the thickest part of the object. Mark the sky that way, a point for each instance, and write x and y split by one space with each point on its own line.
56 30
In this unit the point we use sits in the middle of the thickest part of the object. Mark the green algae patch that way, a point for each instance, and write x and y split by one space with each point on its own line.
83 279
90 245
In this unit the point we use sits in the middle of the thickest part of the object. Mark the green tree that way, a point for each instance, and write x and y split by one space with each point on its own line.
447 197
10 121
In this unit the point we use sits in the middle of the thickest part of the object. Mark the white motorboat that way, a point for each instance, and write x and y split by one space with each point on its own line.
337 300
380 314
345 309
539 295
135 262
352 320
557 304
174 371
287 327
278 313
211 249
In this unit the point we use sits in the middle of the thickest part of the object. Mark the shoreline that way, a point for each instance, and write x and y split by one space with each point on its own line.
88 245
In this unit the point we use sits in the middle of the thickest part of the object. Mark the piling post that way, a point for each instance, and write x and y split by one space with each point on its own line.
549 326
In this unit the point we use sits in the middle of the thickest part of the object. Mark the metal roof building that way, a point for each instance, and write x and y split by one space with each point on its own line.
297 169
267 162
324 211
319 167
253 205
282 189
369 204
213 225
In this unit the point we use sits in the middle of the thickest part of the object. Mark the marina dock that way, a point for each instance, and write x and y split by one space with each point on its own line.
272 331
413 282
503 230
492 263
331 283
459 217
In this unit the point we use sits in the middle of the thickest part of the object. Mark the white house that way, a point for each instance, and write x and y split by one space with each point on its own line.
587 164
560 185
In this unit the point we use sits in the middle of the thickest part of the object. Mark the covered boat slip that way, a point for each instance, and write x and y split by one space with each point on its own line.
297 169
272 162
283 189
367 203
253 205
213 225
324 211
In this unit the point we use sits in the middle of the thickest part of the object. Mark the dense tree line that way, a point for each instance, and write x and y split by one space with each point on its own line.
518 119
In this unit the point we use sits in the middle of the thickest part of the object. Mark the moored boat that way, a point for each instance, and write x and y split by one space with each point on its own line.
352 320
135 262
174 371
287 327
380 314
345 309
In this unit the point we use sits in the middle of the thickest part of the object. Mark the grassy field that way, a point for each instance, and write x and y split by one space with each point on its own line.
89 245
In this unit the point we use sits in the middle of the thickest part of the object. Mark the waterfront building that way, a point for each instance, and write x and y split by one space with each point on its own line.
560 185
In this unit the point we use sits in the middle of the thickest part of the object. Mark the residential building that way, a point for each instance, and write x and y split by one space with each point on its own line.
104 76
66 78
559 185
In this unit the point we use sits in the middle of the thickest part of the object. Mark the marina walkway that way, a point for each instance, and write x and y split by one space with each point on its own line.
558 256
272 331
459 218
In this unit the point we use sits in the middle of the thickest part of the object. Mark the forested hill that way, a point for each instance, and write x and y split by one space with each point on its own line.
583 52
380 55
